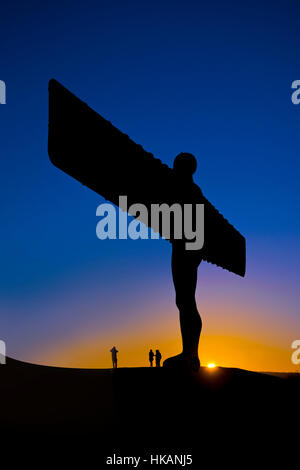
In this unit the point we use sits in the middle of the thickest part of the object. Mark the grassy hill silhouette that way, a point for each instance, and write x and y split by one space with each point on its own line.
144 408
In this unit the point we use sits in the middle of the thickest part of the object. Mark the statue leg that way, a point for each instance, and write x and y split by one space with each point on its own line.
184 270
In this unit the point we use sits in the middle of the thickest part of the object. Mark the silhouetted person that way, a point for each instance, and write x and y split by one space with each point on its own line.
151 357
184 271
114 353
157 358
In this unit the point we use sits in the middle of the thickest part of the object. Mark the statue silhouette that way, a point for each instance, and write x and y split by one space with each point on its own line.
184 272
90 149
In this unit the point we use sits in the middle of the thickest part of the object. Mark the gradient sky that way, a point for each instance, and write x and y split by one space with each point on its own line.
211 78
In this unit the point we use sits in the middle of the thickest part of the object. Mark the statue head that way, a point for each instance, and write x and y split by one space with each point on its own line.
185 164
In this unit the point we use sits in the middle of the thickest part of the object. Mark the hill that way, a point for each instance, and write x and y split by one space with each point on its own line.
148 410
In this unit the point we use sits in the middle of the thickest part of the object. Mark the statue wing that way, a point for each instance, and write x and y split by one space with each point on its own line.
90 149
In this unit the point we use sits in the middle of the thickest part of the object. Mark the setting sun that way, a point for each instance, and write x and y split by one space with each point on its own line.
211 365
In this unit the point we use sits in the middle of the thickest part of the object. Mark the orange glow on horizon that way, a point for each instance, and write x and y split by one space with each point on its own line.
235 338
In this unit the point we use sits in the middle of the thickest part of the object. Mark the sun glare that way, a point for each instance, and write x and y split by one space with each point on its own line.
211 365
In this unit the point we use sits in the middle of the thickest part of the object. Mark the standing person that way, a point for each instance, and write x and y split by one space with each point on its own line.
151 357
114 352
157 358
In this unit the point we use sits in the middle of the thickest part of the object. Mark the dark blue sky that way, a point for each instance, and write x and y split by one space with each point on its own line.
211 78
